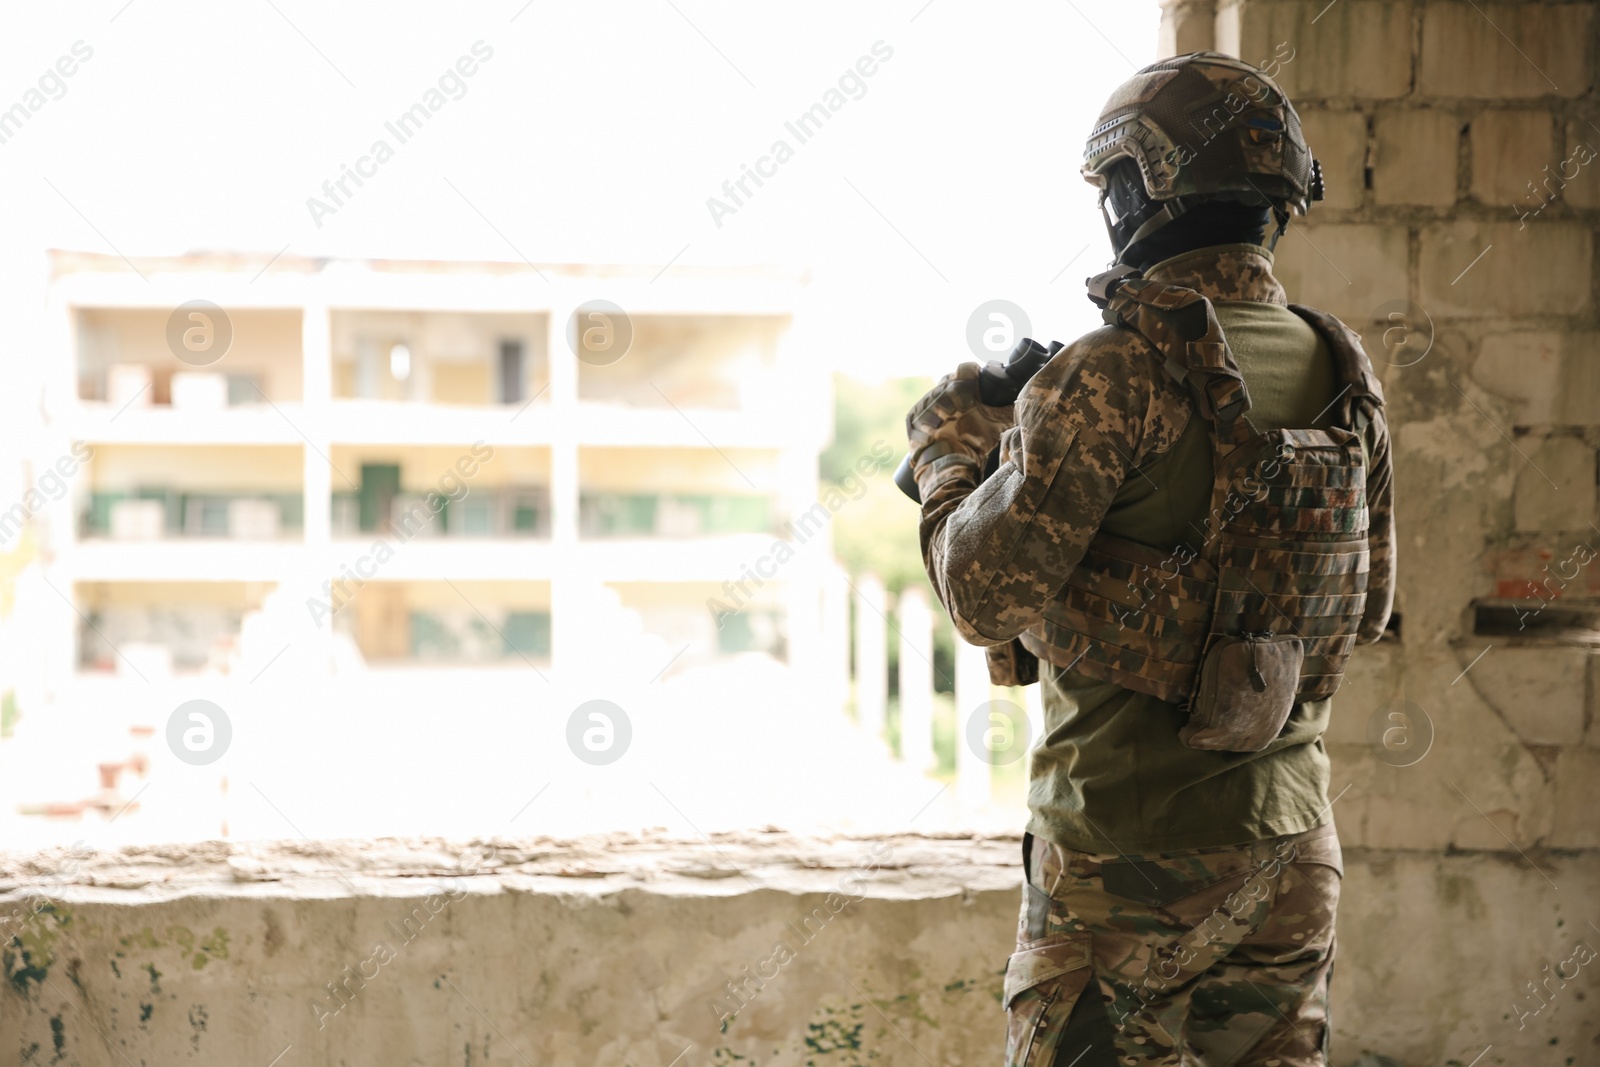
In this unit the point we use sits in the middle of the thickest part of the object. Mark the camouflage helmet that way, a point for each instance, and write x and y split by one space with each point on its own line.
1206 125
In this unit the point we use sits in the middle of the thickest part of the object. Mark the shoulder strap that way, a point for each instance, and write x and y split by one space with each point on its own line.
1363 393
1182 325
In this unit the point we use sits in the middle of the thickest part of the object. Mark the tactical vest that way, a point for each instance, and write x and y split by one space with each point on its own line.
1284 545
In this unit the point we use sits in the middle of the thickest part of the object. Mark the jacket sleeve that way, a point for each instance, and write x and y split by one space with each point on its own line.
999 551
1380 535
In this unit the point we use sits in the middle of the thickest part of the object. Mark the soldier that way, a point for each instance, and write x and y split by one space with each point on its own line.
1189 528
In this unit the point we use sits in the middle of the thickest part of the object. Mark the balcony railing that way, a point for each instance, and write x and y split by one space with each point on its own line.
672 514
466 638
157 513
156 640
522 512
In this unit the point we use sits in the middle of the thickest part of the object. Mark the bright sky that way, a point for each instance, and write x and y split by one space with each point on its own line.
591 132
946 177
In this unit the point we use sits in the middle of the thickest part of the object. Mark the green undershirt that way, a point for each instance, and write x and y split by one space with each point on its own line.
1110 774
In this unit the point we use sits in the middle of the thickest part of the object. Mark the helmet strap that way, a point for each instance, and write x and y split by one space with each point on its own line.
1283 224
1173 208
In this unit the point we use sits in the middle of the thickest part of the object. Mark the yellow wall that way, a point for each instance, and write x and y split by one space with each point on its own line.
235 595
462 349
274 468
695 360
681 470
266 342
517 596
422 467
463 383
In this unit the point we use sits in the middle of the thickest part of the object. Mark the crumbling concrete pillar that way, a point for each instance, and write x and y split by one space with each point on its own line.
1186 26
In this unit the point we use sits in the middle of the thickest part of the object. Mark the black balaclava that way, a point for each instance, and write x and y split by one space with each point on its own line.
1207 222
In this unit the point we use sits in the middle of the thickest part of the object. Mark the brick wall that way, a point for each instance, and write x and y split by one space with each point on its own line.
1462 158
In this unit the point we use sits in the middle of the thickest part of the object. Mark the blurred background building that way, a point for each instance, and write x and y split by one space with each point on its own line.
331 496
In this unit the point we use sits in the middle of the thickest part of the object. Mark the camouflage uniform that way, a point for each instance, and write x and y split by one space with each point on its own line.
1219 956
1213 943
1101 409
1173 939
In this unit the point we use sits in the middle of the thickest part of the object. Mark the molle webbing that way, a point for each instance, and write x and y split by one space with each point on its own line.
1293 556
1132 615
1283 549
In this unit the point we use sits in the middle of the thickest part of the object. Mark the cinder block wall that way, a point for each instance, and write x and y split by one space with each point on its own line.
1462 156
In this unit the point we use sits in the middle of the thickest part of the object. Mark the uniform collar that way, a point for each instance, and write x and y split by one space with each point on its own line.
1223 272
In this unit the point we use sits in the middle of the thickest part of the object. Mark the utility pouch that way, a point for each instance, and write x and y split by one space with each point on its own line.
1245 691
1012 664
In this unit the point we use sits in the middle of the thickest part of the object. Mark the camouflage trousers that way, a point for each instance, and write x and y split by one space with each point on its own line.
1211 957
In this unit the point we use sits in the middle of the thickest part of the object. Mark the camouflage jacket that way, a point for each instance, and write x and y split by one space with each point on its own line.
998 552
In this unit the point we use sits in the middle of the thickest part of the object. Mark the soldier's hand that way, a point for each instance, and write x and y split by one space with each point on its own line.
952 418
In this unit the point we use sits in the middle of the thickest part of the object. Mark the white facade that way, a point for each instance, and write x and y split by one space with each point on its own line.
784 426
617 533
622 607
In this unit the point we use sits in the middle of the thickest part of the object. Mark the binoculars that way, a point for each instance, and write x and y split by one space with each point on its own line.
999 384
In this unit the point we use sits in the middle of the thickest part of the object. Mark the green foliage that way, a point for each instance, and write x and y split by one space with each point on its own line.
878 533
944 733
865 413
945 739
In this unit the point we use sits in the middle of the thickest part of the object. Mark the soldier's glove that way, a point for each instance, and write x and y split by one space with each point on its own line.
951 425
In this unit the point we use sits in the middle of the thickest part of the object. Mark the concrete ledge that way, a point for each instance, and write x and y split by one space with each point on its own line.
622 949
645 951
906 866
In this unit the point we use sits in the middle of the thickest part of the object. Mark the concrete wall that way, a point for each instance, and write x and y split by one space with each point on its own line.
1459 142
618 952
600 953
